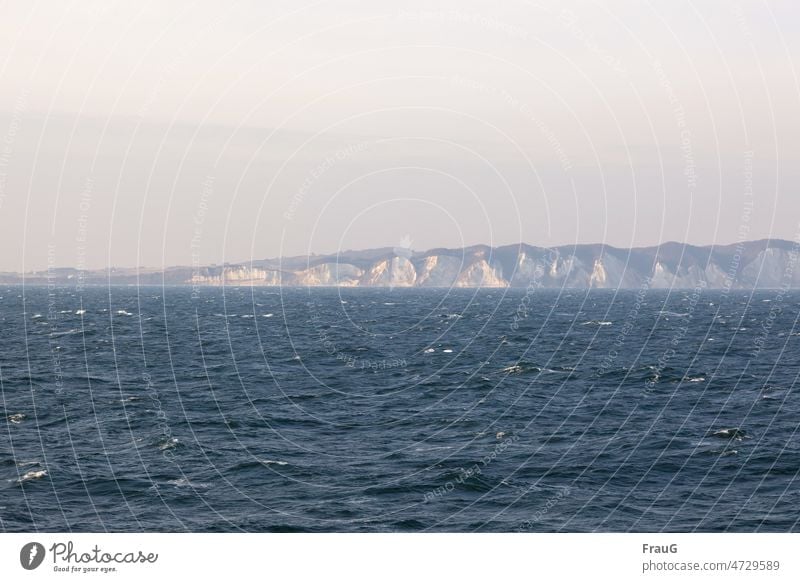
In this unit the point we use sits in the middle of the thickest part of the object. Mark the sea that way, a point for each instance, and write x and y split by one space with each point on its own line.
259 409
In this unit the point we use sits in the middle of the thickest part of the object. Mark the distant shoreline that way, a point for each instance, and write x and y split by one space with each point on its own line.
763 264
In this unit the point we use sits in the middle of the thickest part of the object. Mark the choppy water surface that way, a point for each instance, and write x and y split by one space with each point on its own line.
130 409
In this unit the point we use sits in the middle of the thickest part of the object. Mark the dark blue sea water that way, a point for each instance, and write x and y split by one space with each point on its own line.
148 409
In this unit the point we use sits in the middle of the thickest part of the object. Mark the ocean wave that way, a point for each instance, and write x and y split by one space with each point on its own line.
673 314
168 443
718 452
526 367
733 433
64 333
33 475
515 369
184 482
130 399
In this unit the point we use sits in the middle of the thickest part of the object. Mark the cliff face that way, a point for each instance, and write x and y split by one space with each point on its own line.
748 265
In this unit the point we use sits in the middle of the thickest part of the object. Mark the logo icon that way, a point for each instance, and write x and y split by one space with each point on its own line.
397 276
31 555
403 248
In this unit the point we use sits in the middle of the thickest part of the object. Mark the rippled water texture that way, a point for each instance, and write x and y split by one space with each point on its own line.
130 409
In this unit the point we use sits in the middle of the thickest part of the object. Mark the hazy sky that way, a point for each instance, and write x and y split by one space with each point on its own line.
171 132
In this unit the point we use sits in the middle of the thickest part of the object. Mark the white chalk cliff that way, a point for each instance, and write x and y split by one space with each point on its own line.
747 265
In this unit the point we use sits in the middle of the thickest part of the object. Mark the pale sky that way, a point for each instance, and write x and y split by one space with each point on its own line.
171 132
